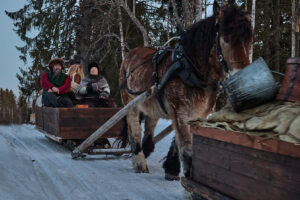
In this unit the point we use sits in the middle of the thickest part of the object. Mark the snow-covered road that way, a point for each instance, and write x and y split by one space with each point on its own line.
34 167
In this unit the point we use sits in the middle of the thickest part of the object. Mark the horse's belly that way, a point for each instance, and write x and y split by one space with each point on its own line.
152 108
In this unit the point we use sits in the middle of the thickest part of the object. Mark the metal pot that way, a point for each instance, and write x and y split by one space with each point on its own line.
251 86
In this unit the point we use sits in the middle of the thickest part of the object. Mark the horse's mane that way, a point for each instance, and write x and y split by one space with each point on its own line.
198 40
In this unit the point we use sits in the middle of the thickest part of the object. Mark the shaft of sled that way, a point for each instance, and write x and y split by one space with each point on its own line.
163 134
109 123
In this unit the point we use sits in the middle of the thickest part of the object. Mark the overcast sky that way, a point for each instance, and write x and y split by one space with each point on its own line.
9 56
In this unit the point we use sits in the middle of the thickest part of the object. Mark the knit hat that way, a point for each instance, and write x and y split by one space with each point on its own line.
93 64
55 61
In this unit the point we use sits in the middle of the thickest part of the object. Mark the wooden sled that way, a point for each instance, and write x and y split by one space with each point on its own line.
230 165
71 126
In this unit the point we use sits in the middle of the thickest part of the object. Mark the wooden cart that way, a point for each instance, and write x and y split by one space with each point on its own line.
70 126
230 165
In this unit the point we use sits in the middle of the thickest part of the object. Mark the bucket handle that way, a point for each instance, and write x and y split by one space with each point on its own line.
278 73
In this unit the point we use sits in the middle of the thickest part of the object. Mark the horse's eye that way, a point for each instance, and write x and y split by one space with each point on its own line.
226 39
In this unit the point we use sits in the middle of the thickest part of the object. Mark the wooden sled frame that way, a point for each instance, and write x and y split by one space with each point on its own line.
67 125
231 165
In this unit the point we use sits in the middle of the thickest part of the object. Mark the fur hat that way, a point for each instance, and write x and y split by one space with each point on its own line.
93 64
55 61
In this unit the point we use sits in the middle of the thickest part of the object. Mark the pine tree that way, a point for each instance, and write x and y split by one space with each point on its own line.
54 22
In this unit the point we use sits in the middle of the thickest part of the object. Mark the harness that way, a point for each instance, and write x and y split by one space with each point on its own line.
182 67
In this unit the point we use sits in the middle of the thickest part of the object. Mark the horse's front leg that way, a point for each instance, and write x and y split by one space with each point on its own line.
134 129
148 144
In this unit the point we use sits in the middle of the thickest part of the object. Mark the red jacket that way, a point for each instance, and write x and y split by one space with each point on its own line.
63 89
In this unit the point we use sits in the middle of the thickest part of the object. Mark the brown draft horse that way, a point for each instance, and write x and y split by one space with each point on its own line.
181 101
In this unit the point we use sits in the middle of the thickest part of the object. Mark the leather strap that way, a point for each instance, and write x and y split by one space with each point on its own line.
291 84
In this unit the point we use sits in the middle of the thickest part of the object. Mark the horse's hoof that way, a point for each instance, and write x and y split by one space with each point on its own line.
140 169
139 163
170 177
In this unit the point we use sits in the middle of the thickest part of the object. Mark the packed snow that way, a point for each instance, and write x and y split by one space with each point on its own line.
34 167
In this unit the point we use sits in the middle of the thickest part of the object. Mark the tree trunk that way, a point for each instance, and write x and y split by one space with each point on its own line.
84 32
277 34
168 21
297 45
122 40
188 12
199 4
293 50
137 23
253 27
133 7
175 13
205 9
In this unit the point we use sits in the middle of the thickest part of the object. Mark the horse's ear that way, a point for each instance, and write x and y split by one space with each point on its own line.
80 66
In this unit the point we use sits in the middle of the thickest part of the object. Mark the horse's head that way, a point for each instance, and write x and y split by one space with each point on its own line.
228 30
76 73
235 36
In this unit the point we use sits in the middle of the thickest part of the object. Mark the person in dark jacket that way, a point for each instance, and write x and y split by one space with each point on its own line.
56 85
93 89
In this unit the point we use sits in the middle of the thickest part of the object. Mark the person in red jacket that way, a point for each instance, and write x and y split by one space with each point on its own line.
56 85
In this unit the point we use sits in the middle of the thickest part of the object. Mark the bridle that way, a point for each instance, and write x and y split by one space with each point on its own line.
220 56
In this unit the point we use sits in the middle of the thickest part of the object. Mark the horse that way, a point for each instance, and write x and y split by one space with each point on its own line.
210 46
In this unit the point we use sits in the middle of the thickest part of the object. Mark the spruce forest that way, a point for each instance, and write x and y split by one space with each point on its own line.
80 31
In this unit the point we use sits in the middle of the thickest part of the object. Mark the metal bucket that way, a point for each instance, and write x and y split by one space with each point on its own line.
251 86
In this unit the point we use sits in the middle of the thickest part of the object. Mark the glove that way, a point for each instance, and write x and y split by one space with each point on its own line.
103 95
89 88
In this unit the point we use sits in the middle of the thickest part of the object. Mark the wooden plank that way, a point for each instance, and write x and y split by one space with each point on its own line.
202 191
85 132
238 186
272 173
51 120
52 137
163 134
39 117
81 123
270 145
110 151
258 154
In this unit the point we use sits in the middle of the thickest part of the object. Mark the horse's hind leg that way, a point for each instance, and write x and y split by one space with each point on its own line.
172 163
148 144
134 129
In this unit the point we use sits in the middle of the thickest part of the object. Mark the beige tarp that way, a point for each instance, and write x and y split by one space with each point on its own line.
275 120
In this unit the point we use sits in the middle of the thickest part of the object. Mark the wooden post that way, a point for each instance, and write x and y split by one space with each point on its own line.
163 134
77 152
